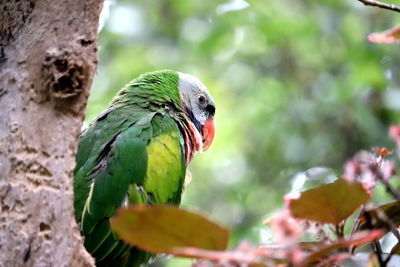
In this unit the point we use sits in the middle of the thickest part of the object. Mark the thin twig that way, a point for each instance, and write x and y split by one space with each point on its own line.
397 235
378 252
375 245
339 230
389 257
381 5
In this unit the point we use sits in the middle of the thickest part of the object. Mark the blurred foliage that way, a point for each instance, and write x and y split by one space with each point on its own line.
329 203
163 228
296 84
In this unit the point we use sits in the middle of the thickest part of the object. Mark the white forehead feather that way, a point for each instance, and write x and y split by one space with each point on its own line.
191 83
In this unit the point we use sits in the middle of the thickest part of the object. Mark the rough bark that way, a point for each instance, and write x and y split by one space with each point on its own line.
47 61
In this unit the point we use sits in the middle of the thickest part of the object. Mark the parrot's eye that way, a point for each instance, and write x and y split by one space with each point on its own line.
202 100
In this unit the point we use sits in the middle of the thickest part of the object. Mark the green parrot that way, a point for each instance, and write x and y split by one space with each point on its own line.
136 152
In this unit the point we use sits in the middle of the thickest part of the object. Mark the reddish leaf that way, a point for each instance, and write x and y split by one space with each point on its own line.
334 259
159 229
387 37
330 203
277 255
357 240
389 218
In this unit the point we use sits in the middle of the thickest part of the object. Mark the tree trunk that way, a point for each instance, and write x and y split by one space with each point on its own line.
47 61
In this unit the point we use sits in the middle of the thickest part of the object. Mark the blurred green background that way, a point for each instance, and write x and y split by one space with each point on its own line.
296 84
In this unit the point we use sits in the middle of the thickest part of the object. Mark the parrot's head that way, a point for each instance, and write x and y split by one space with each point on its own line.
198 106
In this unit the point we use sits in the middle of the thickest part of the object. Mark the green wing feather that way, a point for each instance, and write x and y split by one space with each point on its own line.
122 155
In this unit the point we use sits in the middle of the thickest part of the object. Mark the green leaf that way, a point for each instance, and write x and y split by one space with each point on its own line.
330 203
160 229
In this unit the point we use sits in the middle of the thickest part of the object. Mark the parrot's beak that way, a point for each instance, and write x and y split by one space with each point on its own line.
208 132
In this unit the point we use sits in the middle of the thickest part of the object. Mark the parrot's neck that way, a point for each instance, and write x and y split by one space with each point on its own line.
193 140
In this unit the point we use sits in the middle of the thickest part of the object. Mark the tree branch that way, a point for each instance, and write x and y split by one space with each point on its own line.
380 5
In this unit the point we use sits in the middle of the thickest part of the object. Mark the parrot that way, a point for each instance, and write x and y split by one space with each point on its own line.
137 151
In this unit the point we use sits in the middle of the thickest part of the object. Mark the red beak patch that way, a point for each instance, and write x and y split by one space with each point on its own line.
208 133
